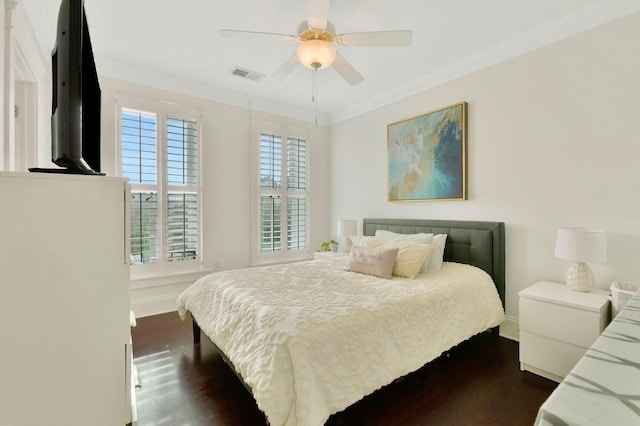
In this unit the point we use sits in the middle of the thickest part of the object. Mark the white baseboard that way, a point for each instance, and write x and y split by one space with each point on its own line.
510 329
155 305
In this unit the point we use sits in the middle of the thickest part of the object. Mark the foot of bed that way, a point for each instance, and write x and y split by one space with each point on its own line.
495 331
196 332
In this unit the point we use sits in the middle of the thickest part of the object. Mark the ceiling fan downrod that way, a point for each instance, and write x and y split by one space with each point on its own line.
314 88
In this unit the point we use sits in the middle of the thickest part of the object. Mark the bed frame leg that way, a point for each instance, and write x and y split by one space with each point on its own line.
196 332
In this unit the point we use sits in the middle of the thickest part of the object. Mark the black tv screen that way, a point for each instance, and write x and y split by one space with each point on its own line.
76 97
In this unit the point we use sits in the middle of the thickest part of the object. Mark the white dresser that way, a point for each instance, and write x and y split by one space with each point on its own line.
64 300
557 326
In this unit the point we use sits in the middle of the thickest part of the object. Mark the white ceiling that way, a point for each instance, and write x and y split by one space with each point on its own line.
176 44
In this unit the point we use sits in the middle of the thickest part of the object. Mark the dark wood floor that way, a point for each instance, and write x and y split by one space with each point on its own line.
477 383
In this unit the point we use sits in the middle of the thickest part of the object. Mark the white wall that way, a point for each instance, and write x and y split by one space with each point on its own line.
227 144
552 141
3 117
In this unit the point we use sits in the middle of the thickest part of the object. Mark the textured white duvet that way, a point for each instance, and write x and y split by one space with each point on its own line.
310 339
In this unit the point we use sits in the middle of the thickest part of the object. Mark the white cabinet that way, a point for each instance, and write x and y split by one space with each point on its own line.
64 300
557 326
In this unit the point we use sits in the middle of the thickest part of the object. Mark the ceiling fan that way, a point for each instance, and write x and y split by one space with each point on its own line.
317 40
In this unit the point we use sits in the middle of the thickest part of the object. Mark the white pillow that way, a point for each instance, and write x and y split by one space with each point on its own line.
372 261
410 258
416 238
437 254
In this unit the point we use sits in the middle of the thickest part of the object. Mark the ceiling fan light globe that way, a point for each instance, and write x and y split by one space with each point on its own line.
314 52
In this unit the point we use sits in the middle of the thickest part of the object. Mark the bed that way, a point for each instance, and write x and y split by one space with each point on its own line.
309 339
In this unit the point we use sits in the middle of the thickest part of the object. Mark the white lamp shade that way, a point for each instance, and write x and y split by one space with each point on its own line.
347 227
581 245
316 53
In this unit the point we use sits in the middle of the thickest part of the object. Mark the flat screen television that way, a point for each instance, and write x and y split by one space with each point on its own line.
76 96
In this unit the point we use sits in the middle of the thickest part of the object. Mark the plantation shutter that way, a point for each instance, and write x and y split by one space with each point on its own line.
270 201
182 194
270 223
270 162
296 164
159 155
296 200
139 164
296 223
282 202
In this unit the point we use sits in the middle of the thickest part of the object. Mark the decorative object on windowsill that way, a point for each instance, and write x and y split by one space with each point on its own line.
346 228
581 245
329 246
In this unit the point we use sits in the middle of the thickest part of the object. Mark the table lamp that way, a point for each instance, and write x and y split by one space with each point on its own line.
581 245
346 228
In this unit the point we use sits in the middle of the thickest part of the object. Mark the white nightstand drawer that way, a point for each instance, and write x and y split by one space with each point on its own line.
561 322
549 355
557 325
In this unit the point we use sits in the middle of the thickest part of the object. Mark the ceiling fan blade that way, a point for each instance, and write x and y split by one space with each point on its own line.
317 13
253 35
285 69
347 71
375 38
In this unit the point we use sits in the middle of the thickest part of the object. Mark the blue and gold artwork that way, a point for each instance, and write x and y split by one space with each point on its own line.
427 156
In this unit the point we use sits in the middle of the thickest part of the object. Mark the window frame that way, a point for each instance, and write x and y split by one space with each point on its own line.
283 254
163 111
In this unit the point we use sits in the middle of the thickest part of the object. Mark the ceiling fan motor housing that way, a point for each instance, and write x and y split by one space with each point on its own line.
305 32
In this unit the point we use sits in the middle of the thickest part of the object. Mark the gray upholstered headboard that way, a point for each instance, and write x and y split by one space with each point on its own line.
475 243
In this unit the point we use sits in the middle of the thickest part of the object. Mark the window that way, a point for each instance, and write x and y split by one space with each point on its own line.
159 145
283 194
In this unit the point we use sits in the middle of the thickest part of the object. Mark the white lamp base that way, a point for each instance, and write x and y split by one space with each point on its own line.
579 277
345 244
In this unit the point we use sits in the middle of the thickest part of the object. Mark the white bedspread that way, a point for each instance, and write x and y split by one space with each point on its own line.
311 339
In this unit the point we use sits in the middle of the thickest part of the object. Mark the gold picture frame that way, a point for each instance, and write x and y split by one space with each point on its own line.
427 156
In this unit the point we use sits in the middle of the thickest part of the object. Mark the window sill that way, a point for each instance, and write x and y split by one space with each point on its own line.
283 261
145 281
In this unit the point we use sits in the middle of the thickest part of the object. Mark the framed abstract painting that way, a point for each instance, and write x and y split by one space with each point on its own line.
427 156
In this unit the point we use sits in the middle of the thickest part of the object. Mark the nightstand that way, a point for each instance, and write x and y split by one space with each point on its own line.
328 254
557 326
